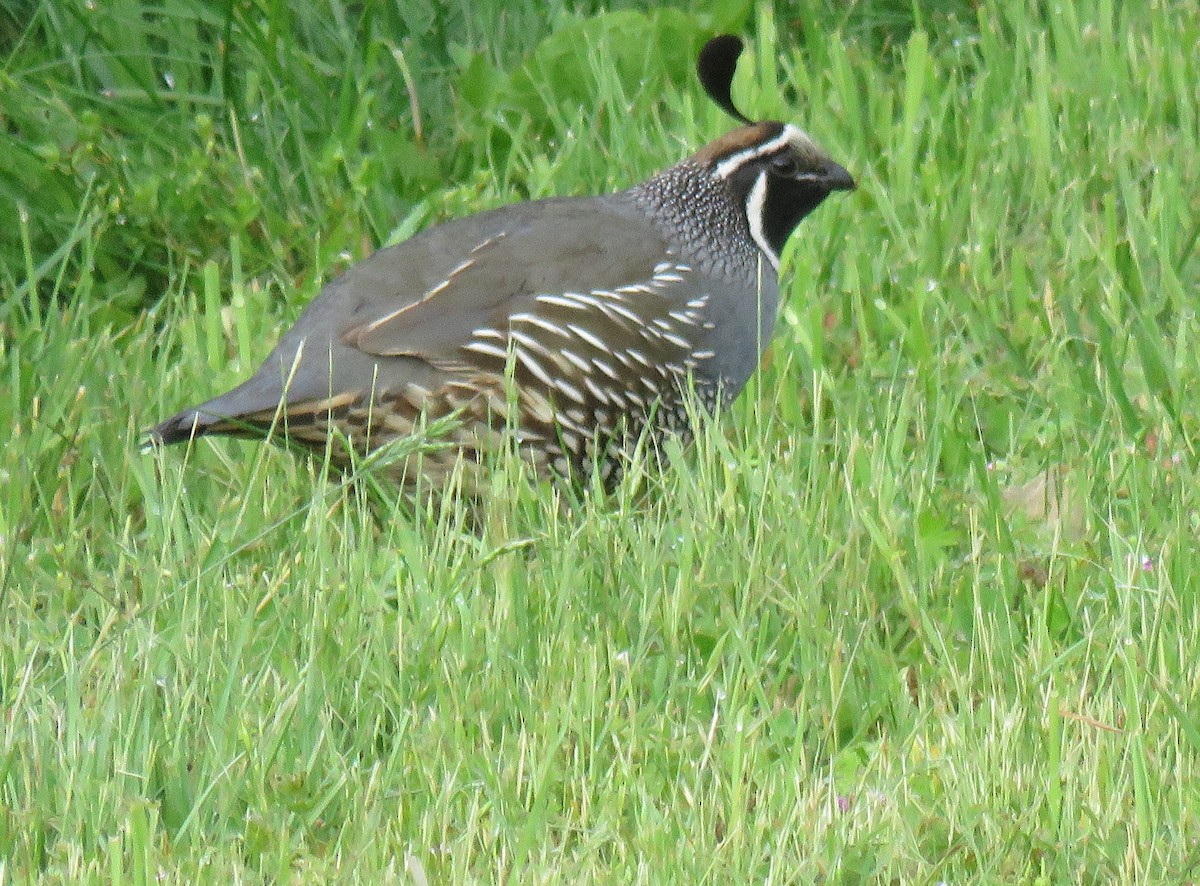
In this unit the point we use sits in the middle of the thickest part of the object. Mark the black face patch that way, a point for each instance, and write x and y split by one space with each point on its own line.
788 201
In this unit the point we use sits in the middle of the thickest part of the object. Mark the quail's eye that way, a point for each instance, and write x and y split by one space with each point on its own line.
785 165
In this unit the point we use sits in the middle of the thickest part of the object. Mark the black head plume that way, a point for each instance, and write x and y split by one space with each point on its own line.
716 64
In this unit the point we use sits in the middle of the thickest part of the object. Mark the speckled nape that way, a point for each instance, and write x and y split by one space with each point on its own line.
698 214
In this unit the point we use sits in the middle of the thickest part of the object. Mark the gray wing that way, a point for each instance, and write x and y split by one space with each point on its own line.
598 317
449 306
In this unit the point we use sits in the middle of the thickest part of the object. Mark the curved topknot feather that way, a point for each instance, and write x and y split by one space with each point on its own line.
715 66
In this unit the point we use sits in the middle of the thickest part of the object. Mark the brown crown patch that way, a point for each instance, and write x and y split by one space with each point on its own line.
735 142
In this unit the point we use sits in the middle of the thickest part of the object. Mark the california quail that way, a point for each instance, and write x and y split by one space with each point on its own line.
589 316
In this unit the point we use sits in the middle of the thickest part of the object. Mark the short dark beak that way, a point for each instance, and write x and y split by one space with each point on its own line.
836 178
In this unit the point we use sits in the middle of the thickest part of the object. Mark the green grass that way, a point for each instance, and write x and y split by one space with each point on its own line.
920 608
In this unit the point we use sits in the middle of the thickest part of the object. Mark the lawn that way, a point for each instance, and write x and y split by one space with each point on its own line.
920 608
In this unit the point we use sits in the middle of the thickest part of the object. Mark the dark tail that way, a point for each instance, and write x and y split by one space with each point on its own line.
246 411
183 426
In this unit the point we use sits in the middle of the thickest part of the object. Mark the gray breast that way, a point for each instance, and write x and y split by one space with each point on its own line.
708 229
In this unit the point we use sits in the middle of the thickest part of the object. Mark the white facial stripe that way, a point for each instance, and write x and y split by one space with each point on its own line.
790 135
756 203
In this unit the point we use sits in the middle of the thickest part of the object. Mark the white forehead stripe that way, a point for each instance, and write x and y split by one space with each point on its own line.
789 135
755 208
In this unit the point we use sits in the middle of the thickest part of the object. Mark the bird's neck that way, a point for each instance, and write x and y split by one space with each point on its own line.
698 212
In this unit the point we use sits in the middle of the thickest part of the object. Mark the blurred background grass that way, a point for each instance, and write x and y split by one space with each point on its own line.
169 126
